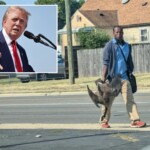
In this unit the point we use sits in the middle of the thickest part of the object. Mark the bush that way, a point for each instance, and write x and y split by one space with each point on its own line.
92 39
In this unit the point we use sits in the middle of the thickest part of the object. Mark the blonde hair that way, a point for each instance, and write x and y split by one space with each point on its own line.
11 8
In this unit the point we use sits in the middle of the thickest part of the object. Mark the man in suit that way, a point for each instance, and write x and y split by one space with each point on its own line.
13 57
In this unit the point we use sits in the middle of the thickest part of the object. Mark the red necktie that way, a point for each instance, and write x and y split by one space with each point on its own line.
16 57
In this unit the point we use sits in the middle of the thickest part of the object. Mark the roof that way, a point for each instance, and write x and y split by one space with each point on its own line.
130 13
101 18
75 30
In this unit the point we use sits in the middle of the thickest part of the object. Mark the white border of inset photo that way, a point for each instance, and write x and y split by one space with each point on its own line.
43 21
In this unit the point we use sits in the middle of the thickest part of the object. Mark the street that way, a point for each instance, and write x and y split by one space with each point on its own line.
69 122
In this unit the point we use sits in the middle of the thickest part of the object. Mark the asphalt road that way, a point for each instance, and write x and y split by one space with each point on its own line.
69 122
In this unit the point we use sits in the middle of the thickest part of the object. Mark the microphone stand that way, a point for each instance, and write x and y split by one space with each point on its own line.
53 45
38 39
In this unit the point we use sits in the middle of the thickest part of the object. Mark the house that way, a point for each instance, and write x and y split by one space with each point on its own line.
89 19
133 15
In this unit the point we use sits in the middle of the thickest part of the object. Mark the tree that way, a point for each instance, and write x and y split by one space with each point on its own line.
2 3
92 39
61 8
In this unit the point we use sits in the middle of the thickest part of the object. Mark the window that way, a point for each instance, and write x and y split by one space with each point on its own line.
144 35
78 18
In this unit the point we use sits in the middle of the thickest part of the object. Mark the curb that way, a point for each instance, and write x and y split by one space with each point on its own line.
57 93
43 94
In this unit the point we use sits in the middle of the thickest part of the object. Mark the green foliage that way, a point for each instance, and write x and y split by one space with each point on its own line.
61 8
92 39
2 3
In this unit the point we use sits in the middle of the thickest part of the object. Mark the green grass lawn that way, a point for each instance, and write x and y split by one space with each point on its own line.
14 86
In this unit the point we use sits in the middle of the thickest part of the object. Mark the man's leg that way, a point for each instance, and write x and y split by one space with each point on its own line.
104 119
130 104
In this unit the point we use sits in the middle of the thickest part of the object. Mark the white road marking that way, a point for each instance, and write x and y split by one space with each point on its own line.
59 104
45 104
70 126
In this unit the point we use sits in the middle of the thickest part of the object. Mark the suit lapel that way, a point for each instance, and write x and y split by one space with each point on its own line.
6 60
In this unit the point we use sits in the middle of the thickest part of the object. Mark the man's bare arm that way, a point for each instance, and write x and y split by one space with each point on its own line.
104 73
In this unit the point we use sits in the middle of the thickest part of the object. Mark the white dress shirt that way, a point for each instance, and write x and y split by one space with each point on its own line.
8 42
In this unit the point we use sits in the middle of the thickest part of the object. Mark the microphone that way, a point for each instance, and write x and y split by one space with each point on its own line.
35 38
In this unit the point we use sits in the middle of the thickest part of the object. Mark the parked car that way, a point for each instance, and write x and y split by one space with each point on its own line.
49 76
26 77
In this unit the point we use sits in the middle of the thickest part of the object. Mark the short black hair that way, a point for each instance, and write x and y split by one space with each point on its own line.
117 27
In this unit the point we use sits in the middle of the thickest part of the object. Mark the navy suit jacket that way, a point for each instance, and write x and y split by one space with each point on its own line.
6 60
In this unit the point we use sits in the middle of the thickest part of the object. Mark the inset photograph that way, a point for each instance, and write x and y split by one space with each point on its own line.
28 39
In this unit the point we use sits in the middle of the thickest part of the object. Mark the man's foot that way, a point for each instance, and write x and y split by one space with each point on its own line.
138 124
105 125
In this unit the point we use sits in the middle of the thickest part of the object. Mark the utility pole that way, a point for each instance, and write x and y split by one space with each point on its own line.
69 38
